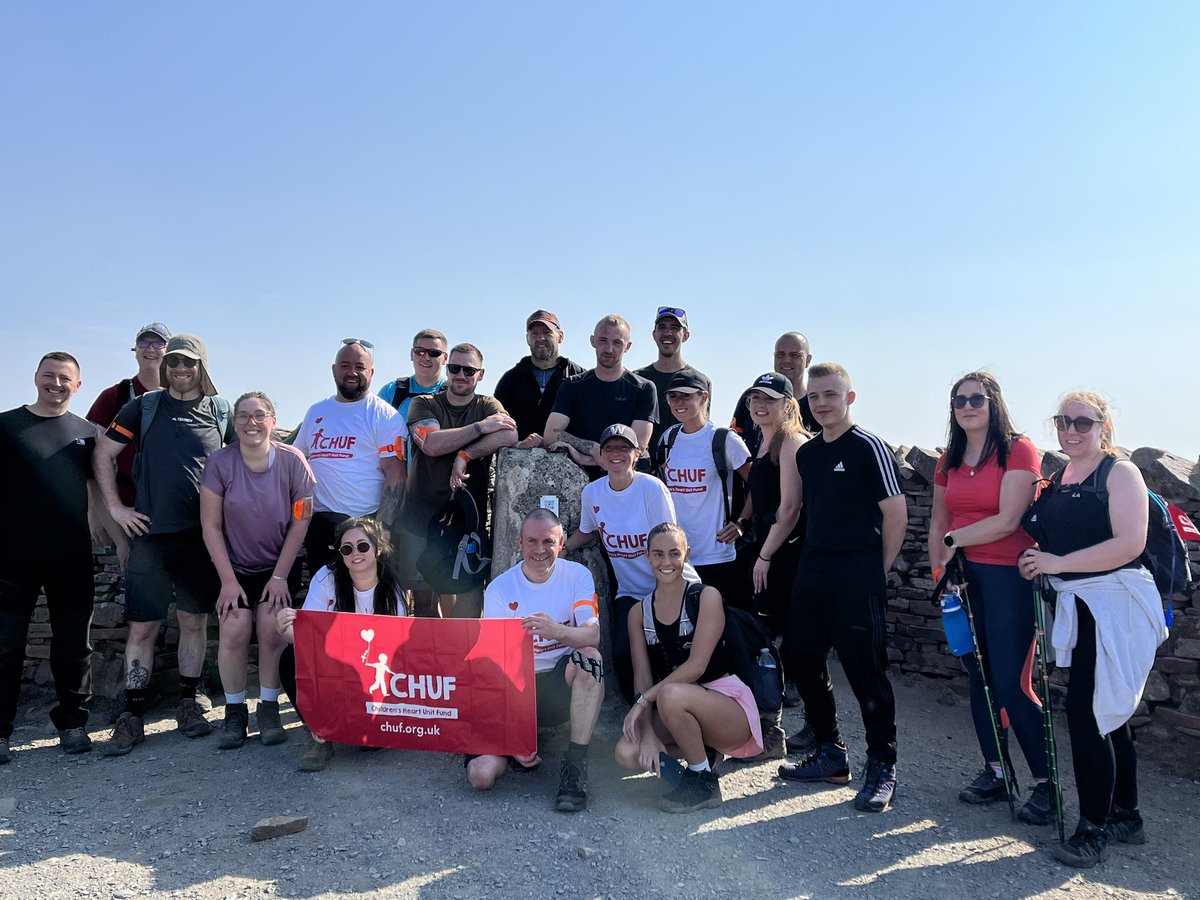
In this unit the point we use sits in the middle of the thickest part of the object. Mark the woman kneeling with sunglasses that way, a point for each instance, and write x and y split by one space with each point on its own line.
363 581
687 699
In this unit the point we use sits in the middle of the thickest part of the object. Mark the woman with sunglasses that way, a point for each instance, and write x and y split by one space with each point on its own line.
1090 525
363 580
255 506
688 700
983 484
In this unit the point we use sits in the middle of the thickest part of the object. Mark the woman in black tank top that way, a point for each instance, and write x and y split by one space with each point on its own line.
687 700
1087 534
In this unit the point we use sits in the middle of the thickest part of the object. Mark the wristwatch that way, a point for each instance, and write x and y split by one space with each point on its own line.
948 540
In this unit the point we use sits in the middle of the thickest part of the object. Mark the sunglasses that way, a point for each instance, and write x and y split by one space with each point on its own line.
244 418
976 400
157 345
175 361
671 311
1082 424
361 547
349 341
432 353
456 368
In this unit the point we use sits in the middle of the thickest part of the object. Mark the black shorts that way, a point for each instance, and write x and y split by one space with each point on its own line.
169 567
553 700
254 583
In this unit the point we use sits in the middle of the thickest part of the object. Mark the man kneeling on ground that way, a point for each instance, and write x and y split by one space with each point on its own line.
556 602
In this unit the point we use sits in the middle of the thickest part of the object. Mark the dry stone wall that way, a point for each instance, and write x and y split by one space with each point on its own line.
1170 706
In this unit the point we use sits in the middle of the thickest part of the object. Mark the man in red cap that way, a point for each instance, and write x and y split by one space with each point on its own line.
528 389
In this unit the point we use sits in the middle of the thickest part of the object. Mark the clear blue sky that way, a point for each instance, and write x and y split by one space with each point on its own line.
921 188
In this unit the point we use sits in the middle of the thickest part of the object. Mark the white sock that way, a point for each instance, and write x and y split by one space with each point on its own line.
235 698
269 694
999 772
699 767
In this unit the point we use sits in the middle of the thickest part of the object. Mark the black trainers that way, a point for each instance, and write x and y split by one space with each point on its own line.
1039 808
190 719
5 752
828 763
127 733
270 729
1086 847
987 787
74 740
803 741
233 729
696 790
879 787
1125 826
317 756
572 784
791 695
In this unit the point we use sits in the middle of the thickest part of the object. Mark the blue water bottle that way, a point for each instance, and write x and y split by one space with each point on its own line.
956 626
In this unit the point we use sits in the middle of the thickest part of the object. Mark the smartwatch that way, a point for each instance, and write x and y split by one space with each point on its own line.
948 540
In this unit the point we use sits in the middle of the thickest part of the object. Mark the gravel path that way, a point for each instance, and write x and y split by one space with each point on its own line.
173 820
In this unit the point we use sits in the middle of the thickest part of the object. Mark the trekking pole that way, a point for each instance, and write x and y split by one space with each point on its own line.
993 717
1044 703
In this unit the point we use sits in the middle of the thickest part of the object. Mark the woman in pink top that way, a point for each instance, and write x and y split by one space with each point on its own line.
983 484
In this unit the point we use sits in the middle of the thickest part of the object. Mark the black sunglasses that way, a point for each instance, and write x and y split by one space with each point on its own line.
349 341
432 353
174 361
361 547
469 371
1082 424
976 400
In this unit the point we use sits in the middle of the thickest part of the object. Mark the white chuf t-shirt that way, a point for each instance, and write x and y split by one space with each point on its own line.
568 596
690 474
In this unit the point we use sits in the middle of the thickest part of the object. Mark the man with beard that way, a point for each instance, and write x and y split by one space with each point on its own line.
352 442
174 431
528 389
454 435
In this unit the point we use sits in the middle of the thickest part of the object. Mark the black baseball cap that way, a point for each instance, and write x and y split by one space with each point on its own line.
774 385
689 381
624 432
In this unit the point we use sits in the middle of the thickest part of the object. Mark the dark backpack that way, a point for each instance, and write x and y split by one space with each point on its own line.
403 390
752 654
456 557
1165 556
720 436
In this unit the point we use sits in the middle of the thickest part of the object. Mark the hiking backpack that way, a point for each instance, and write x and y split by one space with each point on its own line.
720 437
457 556
404 391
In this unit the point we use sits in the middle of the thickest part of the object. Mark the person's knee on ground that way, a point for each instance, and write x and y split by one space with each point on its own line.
626 753
484 771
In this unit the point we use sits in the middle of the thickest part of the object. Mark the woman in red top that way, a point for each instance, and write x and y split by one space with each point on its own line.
983 484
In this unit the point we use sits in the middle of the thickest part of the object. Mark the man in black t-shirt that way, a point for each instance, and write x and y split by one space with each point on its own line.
791 359
607 395
45 470
174 431
527 390
670 333
857 515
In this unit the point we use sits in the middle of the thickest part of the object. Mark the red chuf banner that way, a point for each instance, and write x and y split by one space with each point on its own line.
448 685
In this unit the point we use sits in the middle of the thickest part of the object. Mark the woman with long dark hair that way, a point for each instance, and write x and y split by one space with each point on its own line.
983 484
362 580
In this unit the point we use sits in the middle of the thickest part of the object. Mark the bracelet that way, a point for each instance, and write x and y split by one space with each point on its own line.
462 454
763 558
278 578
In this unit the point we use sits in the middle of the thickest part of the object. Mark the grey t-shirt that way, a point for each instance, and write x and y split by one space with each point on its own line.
170 457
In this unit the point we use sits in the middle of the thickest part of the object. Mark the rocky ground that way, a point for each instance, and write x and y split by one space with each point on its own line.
173 819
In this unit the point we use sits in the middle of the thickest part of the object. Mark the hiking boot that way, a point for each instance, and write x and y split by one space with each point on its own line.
74 740
791 695
829 763
696 790
127 733
879 787
714 756
190 719
233 729
317 756
1125 826
1039 808
270 729
803 741
988 787
774 741
572 784
5 753
1086 847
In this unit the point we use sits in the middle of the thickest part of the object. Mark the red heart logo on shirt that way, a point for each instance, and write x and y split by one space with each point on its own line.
513 606
318 419
595 509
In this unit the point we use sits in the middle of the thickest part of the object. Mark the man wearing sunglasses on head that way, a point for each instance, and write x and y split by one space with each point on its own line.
148 348
670 333
173 430
428 355
354 444
454 435
528 389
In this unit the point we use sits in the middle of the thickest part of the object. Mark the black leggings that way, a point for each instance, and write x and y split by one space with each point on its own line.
1105 764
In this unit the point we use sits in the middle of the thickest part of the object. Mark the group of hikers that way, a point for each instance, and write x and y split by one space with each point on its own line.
794 513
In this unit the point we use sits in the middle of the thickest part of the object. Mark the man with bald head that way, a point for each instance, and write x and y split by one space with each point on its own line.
352 441
791 360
